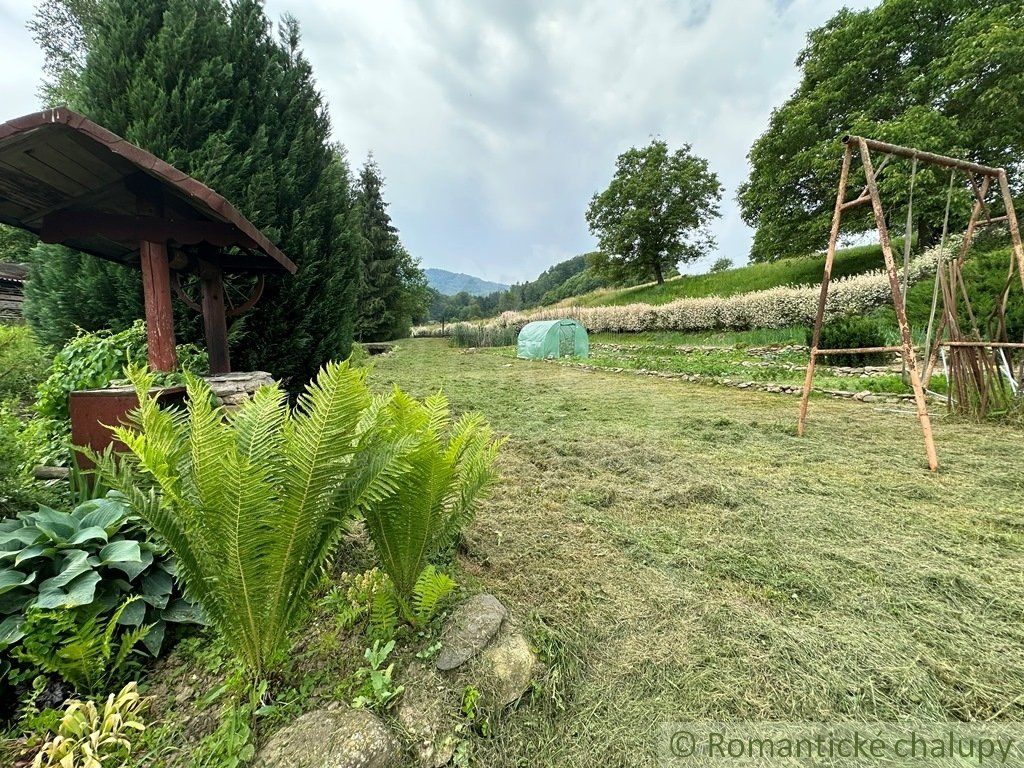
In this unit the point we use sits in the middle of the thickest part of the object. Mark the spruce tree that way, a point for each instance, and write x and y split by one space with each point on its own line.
393 288
206 86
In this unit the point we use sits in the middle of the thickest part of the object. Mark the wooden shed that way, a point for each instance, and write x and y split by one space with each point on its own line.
12 292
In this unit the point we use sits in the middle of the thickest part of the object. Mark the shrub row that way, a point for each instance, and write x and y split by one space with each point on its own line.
772 308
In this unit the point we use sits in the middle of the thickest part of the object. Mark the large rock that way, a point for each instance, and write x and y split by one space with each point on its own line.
469 630
505 670
347 738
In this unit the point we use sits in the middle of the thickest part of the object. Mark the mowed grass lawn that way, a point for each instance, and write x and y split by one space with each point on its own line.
677 553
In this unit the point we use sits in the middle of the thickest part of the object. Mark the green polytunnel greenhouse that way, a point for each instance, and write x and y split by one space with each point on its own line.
544 339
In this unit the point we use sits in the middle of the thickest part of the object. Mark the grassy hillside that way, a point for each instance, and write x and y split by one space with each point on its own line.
800 270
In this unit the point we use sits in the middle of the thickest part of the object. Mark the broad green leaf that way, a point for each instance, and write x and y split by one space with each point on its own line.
11 579
36 550
182 611
26 535
59 526
134 614
10 629
108 514
78 592
16 600
93 533
75 563
122 551
81 590
157 583
132 568
155 638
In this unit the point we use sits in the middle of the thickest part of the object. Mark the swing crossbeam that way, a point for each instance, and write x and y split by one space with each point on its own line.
856 350
923 157
870 194
984 344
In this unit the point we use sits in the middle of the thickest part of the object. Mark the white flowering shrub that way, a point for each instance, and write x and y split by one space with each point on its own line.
773 308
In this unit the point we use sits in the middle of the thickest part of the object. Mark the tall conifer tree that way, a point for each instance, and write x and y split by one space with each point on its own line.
205 85
393 288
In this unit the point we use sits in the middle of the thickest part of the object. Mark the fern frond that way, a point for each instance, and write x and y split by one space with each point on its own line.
320 438
431 589
422 509
383 614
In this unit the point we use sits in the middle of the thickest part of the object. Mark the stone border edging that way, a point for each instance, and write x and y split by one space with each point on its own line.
865 396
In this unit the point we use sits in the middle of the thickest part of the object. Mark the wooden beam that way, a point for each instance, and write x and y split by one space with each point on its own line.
909 356
926 157
1011 218
826 278
156 288
857 350
68 225
215 317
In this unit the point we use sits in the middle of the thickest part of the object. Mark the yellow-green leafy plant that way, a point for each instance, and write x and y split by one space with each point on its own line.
90 737
251 501
447 466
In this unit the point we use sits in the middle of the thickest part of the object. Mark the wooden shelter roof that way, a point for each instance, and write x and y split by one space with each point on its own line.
71 181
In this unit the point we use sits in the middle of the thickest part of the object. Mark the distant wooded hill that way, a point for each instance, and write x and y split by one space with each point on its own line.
565 279
451 283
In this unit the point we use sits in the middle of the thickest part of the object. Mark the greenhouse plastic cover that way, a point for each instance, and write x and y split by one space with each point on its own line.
545 339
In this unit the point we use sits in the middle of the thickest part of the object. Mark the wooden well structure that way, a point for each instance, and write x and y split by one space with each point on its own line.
71 181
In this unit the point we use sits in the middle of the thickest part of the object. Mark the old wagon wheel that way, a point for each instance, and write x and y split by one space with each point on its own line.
241 292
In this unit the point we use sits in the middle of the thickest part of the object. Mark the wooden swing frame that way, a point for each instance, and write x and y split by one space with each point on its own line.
870 194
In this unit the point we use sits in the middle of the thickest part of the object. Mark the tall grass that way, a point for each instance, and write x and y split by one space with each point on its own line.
465 335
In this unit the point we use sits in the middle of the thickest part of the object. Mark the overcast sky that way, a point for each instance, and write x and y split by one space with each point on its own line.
494 121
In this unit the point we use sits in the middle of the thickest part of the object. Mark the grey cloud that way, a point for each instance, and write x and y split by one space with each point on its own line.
495 121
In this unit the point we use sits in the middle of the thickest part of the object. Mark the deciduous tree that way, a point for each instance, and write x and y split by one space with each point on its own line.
945 76
655 213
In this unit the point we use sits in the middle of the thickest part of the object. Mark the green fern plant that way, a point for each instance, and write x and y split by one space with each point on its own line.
429 594
252 501
446 468
90 659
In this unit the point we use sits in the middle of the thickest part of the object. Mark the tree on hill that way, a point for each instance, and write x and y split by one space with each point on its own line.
392 288
945 76
655 213
206 86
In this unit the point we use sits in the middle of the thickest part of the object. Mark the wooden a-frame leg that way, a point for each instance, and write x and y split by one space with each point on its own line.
909 357
1011 220
826 278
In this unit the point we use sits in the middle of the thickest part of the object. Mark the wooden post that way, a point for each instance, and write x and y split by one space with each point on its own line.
826 278
156 288
1011 219
215 317
909 357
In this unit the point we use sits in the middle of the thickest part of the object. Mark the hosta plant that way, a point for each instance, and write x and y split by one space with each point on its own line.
447 467
253 500
93 737
88 560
